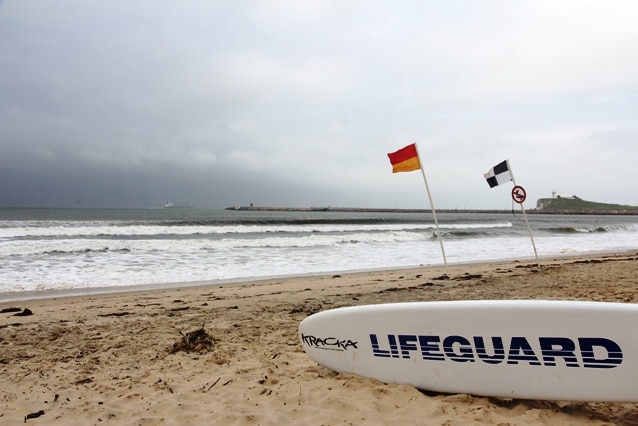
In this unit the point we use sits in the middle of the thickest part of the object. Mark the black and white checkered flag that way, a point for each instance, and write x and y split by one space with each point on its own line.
498 174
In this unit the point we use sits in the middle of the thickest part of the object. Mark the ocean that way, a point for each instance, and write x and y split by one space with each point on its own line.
43 251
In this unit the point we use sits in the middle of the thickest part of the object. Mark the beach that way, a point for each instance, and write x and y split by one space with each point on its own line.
124 358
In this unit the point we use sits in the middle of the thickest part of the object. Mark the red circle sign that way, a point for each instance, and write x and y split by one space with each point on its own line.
518 194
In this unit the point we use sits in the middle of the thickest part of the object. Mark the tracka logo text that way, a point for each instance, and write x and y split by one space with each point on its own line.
328 343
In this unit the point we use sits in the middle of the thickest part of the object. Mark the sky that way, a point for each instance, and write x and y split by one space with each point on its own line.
297 103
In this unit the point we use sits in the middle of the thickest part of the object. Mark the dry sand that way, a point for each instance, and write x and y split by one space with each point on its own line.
117 359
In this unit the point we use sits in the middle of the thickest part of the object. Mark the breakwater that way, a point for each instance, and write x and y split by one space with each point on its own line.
396 210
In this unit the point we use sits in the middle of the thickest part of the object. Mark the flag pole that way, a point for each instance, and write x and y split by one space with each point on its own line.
529 230
436 221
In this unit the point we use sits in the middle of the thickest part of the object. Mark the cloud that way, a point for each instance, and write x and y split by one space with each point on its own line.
298 103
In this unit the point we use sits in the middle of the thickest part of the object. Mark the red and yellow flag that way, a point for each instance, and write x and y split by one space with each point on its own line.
405 159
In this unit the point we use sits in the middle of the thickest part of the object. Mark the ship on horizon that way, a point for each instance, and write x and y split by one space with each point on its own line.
172 205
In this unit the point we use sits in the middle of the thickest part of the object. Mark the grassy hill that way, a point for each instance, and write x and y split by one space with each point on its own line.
578 205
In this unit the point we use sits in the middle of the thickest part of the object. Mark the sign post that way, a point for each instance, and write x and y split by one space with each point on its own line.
519 195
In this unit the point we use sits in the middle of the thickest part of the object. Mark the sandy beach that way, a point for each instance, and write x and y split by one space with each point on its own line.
123 359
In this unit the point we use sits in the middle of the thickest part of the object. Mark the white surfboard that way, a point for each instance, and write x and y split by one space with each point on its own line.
530 349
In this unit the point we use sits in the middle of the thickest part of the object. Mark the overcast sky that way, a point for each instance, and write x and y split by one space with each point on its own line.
296 103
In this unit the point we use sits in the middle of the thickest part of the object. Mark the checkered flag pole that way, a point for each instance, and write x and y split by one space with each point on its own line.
529 229
499 174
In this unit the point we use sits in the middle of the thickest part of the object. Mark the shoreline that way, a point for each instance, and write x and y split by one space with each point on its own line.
22 296
111 358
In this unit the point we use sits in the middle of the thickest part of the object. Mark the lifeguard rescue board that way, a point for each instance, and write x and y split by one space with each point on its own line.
529 349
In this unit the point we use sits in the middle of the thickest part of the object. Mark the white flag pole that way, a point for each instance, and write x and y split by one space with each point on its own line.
529 230
436 221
